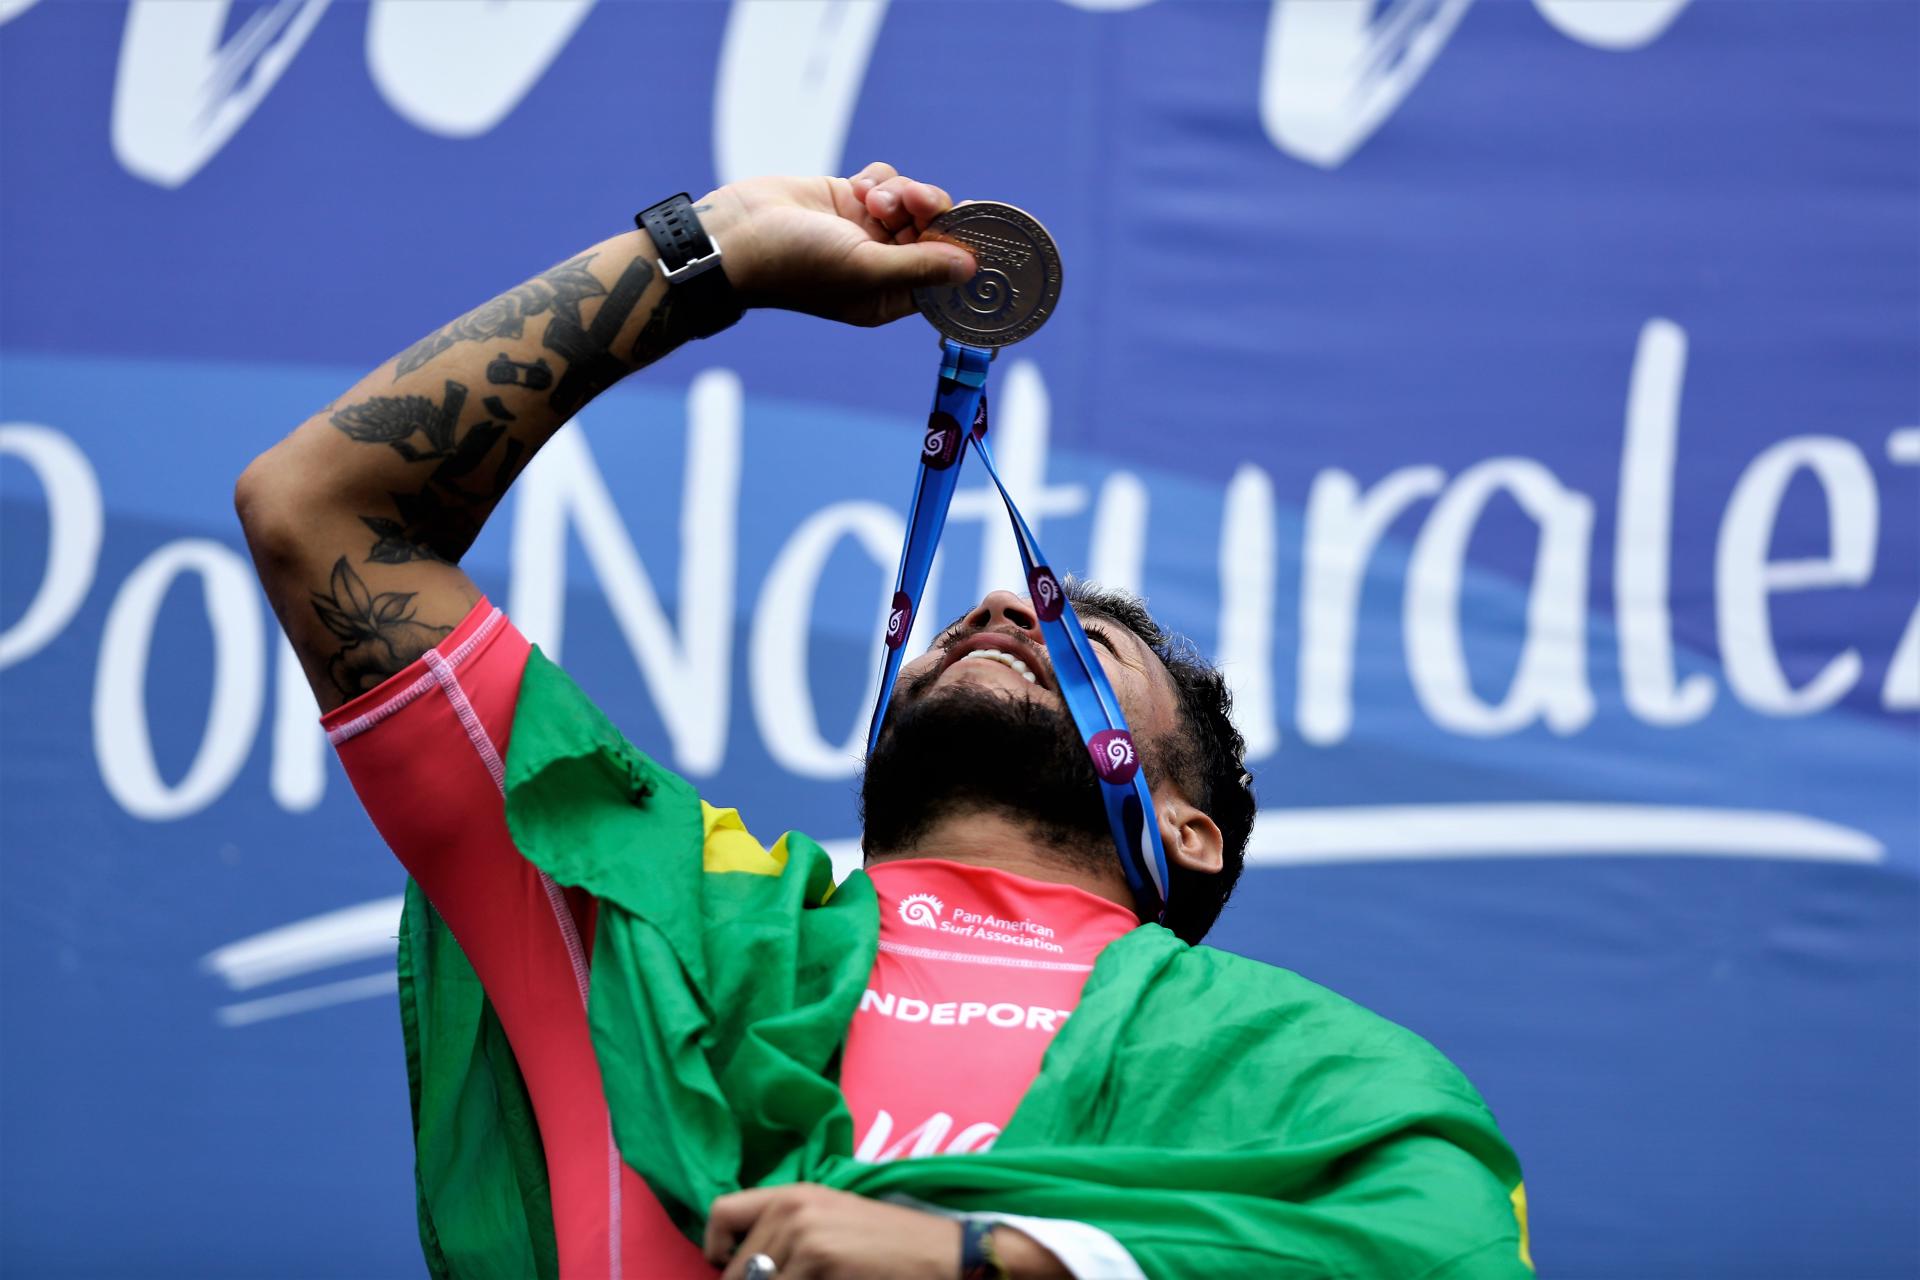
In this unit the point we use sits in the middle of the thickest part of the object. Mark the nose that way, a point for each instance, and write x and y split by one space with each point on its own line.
1005 607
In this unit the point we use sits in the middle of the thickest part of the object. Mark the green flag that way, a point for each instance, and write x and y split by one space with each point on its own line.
1213 1114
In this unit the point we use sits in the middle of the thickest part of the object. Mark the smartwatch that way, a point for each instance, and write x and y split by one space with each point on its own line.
698 286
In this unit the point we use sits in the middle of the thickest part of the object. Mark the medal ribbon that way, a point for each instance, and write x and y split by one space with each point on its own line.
960 397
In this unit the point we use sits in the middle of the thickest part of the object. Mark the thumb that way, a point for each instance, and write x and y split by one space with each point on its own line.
912 265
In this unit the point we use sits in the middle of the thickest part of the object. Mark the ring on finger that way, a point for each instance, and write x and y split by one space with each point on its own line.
761 1267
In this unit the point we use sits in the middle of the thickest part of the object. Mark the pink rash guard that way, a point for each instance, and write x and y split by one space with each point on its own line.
977 968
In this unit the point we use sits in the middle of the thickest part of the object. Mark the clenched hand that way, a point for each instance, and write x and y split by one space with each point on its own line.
845 248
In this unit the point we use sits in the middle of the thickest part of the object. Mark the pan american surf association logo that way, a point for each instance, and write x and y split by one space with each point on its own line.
922 910
925 911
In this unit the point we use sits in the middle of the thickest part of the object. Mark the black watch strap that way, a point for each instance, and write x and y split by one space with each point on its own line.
698 286
978 1261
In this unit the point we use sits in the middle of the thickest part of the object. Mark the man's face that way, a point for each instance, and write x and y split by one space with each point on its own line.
998 647
977 722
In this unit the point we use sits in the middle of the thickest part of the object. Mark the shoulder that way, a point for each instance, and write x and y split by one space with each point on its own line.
594 811
1203 1050
1277 1059
1289 1023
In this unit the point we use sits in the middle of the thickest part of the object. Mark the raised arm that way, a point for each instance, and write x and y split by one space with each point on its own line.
358 520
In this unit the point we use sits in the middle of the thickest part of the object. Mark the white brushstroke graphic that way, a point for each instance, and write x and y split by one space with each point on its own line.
1296 837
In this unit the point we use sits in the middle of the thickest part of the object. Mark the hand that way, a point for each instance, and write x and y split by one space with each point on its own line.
813 1233
844 248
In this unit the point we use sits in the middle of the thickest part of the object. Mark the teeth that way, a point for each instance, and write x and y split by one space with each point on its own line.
1005 659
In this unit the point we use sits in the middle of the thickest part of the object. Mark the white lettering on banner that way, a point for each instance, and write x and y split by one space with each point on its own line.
180 94
1643 537
1612 24
1335 70
1117 549
1249 574
459 67
686 659
1550 683
778 647
1343 526
688 675
790 71
1902 689
1745 579
76 523
1022 427
121 741
297 776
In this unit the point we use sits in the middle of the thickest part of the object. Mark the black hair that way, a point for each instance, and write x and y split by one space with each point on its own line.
1205 756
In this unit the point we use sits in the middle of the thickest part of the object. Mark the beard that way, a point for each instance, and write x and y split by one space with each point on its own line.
962 750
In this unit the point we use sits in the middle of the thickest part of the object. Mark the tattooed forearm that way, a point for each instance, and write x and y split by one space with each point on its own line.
442 518
474 462
380 633
397 421
504 371
559 291
588 364
588 349
662 332
366 511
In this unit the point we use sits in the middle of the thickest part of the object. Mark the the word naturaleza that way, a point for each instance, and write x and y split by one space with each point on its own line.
686 656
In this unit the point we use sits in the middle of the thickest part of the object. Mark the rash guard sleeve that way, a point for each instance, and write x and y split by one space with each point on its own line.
425 753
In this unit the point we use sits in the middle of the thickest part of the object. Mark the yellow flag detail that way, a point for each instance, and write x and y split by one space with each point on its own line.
1519 1198
731 847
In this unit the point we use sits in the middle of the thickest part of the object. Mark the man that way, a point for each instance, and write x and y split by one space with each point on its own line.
632 1027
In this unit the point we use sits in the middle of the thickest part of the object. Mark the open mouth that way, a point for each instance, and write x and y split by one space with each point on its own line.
1005 659
1009 651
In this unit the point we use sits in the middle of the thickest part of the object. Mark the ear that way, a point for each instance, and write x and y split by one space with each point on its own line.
1191 838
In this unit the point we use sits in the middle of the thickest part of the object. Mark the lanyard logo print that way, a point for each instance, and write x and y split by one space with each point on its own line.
960 396
941 448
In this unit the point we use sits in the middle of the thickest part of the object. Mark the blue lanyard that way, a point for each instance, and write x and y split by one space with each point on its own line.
960 397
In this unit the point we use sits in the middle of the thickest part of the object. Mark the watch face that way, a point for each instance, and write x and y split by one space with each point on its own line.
1018 283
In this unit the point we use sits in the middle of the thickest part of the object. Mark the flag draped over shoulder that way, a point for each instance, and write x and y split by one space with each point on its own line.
1213 1114
480 1176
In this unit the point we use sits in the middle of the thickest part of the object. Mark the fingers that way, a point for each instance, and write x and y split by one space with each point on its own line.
732 1216
909 266
884 203
764 1238
893 203
763 1216
897 203
872 176
925 202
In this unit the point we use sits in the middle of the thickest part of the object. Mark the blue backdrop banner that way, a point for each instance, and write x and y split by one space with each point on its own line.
1520 398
